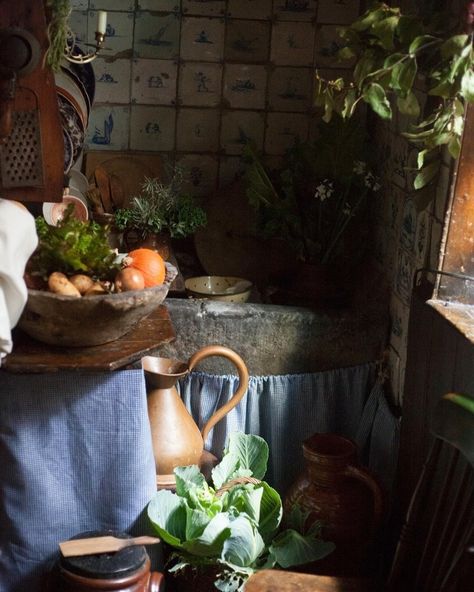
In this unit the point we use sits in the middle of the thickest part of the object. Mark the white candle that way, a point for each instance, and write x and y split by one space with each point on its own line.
101 21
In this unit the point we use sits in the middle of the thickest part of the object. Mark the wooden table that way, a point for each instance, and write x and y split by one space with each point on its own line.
31 356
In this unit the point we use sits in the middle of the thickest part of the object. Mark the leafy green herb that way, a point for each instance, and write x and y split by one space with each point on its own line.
58 31
237 531
393 51
73 246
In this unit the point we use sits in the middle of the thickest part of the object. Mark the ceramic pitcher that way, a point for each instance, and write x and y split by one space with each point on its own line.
177 440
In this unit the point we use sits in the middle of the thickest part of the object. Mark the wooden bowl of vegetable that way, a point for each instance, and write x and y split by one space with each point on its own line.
89 296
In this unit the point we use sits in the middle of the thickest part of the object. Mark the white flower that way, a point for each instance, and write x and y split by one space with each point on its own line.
359 167
324 190
371 182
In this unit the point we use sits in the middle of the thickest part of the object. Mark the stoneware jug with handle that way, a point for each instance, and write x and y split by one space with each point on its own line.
177 440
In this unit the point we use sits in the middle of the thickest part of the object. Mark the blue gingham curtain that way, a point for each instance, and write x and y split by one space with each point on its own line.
287 409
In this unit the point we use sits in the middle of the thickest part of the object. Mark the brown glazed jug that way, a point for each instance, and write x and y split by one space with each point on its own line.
345 498
127 570
177 440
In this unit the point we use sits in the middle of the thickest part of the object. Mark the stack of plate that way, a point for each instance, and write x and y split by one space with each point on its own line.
75 86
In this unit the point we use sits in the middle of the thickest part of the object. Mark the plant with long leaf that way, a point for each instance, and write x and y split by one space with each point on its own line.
394 53
232 529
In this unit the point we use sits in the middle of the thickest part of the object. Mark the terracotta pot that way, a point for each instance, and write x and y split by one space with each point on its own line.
344 497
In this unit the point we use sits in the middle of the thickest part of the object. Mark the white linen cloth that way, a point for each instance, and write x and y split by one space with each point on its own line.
18 240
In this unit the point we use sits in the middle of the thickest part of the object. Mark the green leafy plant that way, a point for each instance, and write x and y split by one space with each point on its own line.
312 202
58 12
232 528
162 207
393 53
73 246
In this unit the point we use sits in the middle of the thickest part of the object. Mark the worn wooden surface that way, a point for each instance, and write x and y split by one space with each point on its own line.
31 356
270 580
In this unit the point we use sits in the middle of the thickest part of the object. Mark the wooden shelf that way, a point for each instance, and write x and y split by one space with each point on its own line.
31 356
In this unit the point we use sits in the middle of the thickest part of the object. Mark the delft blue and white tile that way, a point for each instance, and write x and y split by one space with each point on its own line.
404 276
245 86
200 173
395 200
79 4
126 5
152 128
249 9
247 41
292 44
202 39
200 84
239 127
423 230
78 22
159 5
290 89
399 161
283 129
154 82
108 128
337 11
156 35
399 316
204 7
294 10
231 169
408 227
328 43
112 81
443 187
197 130
118 35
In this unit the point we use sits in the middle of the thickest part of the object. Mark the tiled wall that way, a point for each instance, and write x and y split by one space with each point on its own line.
194 79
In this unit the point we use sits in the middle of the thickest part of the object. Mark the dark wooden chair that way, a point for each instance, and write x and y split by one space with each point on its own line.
435 550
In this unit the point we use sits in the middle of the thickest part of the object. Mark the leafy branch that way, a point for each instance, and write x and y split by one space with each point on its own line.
392 53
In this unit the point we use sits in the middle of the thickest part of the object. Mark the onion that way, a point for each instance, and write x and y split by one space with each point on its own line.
129 279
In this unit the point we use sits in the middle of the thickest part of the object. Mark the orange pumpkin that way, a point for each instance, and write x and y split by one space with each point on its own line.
149 263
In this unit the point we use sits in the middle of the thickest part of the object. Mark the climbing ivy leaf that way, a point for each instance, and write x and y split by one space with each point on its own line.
375 96
426 175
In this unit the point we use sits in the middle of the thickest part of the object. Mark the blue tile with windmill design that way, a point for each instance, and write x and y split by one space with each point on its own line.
200 173
108 128
118 35
249 9
247 41
154 81
152 128
204 7
245 86
283 130
294 10
338 11
197 130
156 35
112 81
290 89
202 39
200 84
240 127
292 44
404 275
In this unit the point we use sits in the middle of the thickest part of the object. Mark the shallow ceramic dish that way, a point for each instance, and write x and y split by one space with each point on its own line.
89 320
217 287
54 212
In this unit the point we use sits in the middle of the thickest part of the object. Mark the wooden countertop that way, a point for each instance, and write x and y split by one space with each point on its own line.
31 356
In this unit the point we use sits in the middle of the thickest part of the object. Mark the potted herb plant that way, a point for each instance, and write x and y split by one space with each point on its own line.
315 204
161 211
224 532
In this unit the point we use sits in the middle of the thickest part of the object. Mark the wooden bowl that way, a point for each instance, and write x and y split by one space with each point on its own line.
89 320
218 287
